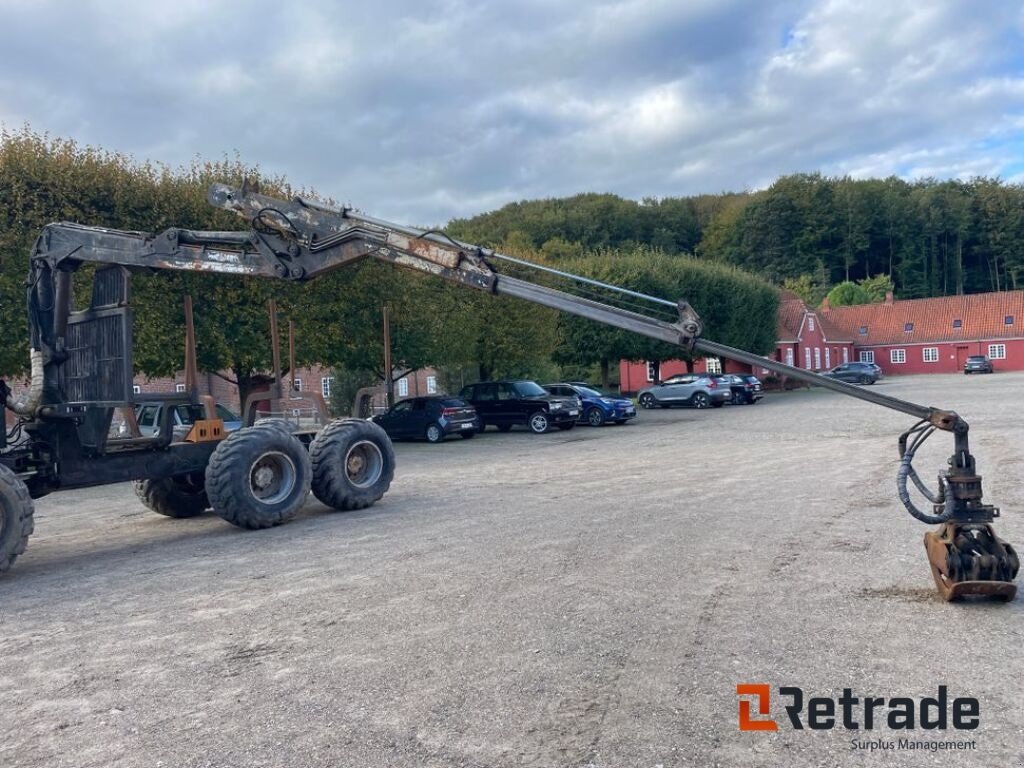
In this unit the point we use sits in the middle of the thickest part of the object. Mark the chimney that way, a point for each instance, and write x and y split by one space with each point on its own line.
888 297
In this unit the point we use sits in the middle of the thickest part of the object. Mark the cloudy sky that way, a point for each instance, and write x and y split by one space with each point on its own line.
421 110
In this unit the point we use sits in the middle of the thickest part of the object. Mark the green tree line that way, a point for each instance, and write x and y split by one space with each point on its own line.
930 237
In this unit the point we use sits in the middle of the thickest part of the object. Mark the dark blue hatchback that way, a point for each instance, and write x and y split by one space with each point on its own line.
597 408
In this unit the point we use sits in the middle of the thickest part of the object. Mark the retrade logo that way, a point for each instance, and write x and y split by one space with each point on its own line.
762 694
854 713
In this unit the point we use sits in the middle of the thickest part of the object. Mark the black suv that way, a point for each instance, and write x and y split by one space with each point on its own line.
507 403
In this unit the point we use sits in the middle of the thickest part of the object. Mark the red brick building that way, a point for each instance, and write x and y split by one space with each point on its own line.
936 335
808 339
300 404
914 336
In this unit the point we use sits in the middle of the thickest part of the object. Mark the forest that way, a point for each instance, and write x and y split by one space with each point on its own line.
931 237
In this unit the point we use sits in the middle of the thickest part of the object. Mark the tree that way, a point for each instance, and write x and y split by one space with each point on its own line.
877 288
848 293
736 308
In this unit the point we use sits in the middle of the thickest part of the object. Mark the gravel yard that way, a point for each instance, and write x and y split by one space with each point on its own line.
582 598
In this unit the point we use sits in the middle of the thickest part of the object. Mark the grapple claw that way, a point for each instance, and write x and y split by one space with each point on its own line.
969 559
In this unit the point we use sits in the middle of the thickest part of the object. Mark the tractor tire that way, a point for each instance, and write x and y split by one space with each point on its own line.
353 464
276 423
179 496
16 517
258 477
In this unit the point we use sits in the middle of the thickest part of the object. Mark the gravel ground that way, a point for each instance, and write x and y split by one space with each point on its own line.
587 598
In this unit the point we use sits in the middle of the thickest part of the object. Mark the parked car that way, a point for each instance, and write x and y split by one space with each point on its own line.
148 417
597 408
698 390
855 373
429 418
505 404
746 388
978 364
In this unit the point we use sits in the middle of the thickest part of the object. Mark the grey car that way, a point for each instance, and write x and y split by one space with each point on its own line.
978 364
697 390
856 373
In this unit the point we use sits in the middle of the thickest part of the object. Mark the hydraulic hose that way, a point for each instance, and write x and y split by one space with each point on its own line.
27 406
944 497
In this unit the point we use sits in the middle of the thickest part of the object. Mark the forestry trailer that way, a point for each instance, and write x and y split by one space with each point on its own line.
260 475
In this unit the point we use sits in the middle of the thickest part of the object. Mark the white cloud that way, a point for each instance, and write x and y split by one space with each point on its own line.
430 109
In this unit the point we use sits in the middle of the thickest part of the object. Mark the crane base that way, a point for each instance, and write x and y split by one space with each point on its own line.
969 559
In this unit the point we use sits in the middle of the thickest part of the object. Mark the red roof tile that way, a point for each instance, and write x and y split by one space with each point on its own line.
982 316
791 315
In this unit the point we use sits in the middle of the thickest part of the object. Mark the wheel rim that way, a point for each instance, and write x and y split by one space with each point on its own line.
647 401
700 400
364 464
433 433
272 477
539 422
595 418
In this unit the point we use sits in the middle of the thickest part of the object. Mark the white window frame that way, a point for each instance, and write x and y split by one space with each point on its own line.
897 356
650 371
712 365
296 385
136 389
930 354
179 387
325 386
807 358
828 358
810 322
867 356
789 356
431 385
846 354
996 351
817 358
403 387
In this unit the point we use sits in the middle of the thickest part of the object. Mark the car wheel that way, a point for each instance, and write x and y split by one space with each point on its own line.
595 417
700 400
737 398
647 400
539 422
434 433
863 380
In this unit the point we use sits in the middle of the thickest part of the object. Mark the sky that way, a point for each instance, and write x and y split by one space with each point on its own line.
423 110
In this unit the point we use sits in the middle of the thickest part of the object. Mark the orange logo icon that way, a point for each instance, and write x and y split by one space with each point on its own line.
763 693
